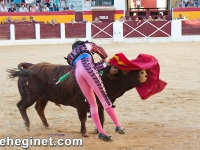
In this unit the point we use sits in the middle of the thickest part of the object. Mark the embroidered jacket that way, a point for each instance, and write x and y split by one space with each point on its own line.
80 49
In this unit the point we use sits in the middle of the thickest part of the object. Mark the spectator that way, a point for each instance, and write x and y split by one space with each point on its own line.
182 4
73 21
83 21
2 2
72 7
187 3
137 20
180 17
55 7
11 9
3 9
34 8
23 8
39 5
47 3
31 19
191 4
23 19
9 19
138 3
150 18
66 8
196 3
164 18
158 19
16 20
38 1
121 19
45 9
129 19
16 7
27 7
53 22
28 2
93 3
96 20
56 4
90 2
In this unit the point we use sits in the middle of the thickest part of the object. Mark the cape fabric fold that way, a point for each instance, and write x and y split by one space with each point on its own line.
153 84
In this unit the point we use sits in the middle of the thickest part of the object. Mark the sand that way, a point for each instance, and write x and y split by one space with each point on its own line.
169 120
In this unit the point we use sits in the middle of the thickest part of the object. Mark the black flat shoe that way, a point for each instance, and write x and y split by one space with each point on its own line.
119 130
105 137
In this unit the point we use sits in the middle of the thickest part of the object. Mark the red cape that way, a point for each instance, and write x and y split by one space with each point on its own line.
153 84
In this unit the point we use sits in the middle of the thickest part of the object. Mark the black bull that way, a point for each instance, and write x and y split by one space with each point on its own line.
36 83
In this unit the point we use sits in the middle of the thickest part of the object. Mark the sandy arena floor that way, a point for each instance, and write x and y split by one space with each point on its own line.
169 120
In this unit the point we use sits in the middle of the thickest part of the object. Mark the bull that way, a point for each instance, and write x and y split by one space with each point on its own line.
36 83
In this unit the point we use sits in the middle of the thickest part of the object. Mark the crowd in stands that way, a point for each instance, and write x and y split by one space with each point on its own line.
96 20
138 19
34 6
10 20
189 3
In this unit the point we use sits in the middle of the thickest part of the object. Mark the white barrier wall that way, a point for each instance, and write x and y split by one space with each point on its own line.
120 5
176 32
176 36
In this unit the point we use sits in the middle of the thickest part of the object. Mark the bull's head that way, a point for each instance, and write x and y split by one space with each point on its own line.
114 71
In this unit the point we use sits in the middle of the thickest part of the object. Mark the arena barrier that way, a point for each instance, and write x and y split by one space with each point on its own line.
185 31
108 32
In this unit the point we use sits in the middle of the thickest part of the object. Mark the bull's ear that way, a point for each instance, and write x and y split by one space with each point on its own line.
125 72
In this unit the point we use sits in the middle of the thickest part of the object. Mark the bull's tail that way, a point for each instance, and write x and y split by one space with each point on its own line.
21 71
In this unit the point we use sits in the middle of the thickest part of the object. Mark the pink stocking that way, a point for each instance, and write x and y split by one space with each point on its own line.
110 111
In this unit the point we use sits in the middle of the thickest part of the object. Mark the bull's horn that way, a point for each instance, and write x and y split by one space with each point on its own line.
113 70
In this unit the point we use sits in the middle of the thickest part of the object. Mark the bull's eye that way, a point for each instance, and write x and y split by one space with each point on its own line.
143 72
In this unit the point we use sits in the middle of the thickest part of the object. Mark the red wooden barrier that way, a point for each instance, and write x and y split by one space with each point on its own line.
48 31
158 28
131 29
102 30
147 29
190 27
4 31
24 31
76 30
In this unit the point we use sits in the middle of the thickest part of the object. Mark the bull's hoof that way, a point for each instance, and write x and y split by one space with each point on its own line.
96 131
85 134
46 127
27 127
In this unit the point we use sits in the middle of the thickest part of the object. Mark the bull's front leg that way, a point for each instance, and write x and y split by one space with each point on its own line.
82 114
101 116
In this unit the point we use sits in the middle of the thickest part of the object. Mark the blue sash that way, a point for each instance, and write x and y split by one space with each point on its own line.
85 55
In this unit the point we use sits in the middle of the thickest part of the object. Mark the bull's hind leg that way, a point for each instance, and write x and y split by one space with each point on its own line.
40 106
22 106
82 114
102 119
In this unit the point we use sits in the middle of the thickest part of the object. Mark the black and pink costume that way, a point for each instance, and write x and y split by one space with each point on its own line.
89 81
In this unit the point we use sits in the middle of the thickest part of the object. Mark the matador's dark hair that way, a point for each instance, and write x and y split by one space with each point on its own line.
78 43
